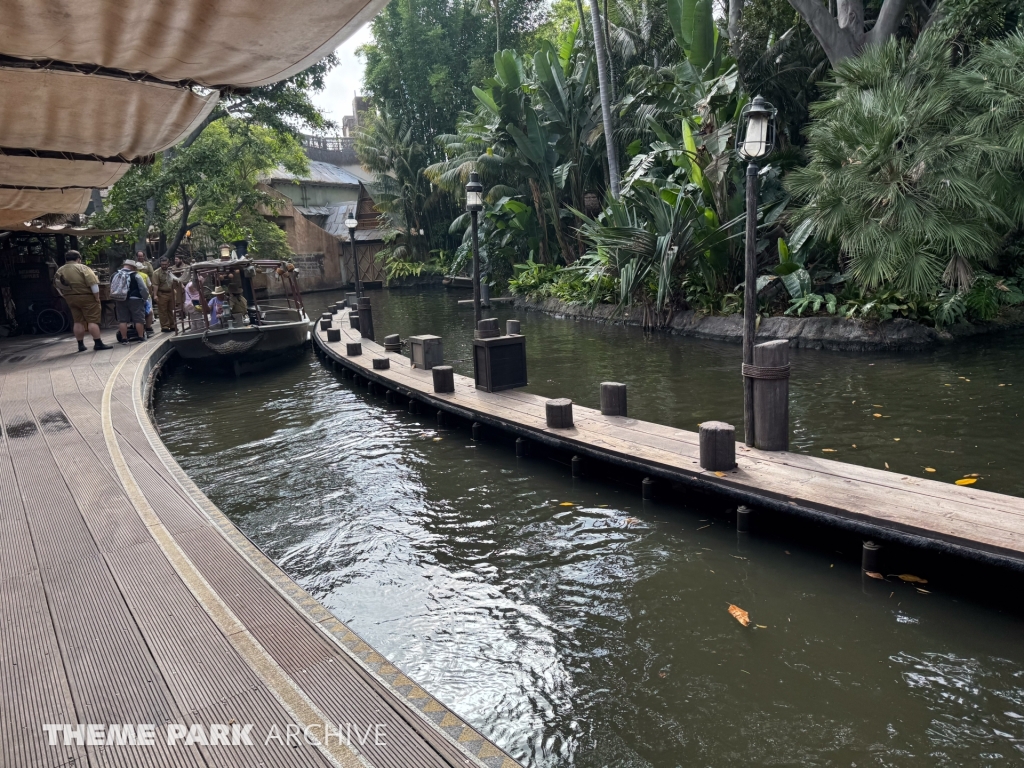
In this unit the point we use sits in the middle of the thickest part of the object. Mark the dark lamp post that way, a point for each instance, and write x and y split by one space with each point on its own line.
756 139
350 224
475 204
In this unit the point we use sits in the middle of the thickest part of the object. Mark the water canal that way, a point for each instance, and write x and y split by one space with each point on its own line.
597 634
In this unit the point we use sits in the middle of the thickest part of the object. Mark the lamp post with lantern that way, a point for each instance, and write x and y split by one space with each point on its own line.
755 141
350 224
475 204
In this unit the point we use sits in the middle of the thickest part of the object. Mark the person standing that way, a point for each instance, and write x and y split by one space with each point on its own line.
164 295
217 304
130 294
145 271
80 288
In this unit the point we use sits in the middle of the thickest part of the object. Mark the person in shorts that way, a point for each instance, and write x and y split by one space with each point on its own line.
80 288
133 308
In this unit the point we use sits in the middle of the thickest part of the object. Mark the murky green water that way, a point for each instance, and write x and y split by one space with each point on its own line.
597 634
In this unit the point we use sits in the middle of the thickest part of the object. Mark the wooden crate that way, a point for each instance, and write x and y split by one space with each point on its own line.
499 363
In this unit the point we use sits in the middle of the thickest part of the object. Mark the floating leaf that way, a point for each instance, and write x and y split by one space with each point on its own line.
929 469
828 450
759 626
1002 385
632 521
876 405
886 464
437 439
719 474
566 504
874 575
740 615
877 415
912 578
967 481
923 591
854 445
896 439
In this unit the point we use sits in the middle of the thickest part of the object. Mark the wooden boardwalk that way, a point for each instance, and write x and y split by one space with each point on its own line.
126 597
970 522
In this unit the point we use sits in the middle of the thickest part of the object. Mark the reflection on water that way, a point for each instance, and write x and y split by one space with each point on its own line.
597 634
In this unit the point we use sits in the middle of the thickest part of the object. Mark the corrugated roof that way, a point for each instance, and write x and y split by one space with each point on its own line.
319 173
336 224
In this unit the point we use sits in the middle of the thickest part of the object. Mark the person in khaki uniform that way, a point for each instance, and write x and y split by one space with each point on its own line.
81 290
163 294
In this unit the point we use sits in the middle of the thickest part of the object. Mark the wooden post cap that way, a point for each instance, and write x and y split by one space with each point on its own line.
339 306
381 363
326 316
488 324
512 327
444 378
392 338
353 348
353 321
559 413
717 446
334 334
613 398
325 324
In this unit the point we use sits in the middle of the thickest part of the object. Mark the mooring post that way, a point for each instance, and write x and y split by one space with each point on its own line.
389 396
353 321
559 413
521 447
413 408
444 378
365 318
334 334
647 488
770 373
325 324
742 519
477 431
717 446
512 327
392 343
613 398
577 466
353 348
381 363
442 419
870 556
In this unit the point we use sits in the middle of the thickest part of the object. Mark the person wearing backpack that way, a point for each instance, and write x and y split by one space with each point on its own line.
80 288
129 294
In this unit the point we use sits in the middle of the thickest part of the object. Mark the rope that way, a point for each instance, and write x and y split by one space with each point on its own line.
766 371
232 347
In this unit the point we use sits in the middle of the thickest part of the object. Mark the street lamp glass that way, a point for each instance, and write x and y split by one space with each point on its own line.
351 223
757 138
755 143
474 193
225 251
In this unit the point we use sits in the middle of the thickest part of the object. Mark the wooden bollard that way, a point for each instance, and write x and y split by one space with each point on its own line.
522 446
613 398
717 446
559 413
365 319
334 334
339 306
444 378
326 316
413 407
512 327
392 343
487 329
577 466
742 519
381 363
353 348
353 321
870 556
477 431
325 324
771 396
648 488
351 300
442 419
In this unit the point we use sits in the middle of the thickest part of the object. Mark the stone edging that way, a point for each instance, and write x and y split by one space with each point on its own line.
830 333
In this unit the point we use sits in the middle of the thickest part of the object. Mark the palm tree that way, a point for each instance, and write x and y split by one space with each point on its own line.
604 86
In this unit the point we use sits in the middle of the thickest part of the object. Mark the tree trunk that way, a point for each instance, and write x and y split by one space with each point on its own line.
497 22
844 37
608 47
542 219
606 105
735 13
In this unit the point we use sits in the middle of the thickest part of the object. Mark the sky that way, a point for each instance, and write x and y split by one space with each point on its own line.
345 80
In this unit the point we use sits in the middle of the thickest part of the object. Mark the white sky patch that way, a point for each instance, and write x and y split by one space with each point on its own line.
345 80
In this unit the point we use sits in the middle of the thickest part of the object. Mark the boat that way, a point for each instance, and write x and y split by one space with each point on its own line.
242 342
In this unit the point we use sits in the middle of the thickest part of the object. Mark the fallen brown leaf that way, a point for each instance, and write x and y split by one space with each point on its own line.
740 615
929 469
912 578
874 575
967 481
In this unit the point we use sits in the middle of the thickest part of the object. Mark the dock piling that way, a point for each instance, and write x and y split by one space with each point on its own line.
613 398
353 321
521 447
325 324
717 446
559 413
353 348
381 363
389 396
392 343
577 466
333 334
647 488
870 556
770 373
512 327
413 407
365 319
444 378
477 431
442 419
742 519
487 329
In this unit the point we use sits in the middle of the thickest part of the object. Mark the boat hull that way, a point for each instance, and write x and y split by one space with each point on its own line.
243 349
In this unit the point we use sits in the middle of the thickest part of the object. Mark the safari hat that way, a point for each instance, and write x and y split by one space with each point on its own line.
218 291
130 263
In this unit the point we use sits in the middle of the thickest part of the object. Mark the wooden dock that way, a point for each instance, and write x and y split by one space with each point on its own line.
962 520
128 599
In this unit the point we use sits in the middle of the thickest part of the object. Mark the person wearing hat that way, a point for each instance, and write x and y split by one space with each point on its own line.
80 288
132 308
164 294
217 305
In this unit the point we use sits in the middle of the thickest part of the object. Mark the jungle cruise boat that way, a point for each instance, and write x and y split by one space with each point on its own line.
250 330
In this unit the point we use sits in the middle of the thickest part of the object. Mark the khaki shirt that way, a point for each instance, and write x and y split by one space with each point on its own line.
75 279
163 281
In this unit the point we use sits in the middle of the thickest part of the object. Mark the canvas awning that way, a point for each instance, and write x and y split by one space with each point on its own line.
89 86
